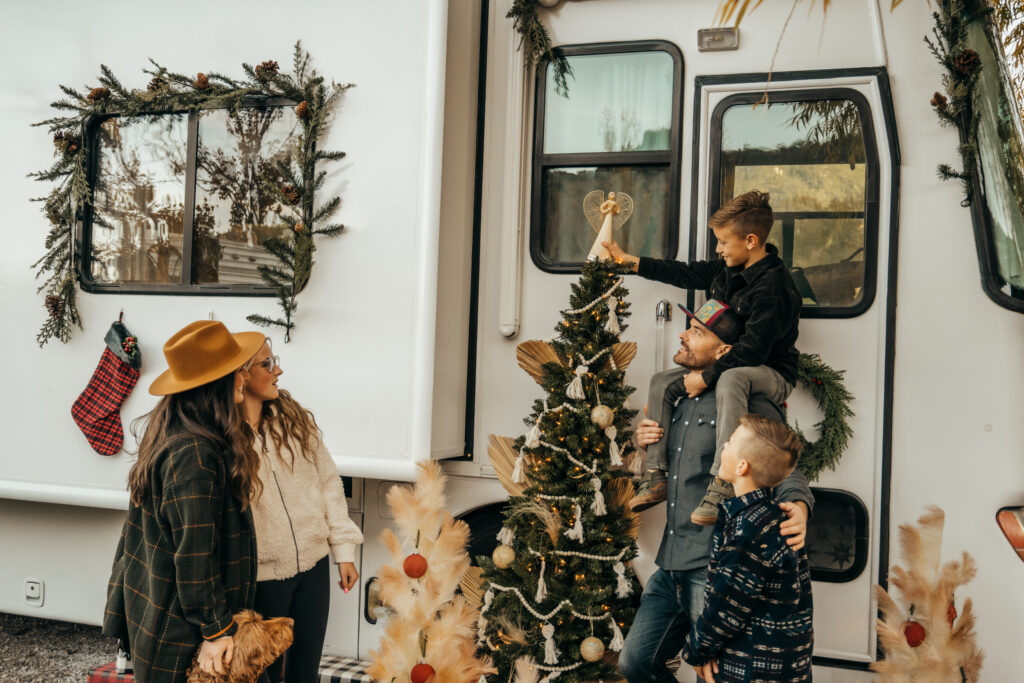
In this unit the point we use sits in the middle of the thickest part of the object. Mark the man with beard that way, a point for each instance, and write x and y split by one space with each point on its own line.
674 595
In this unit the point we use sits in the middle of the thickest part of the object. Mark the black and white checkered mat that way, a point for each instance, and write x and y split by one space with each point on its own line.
343 669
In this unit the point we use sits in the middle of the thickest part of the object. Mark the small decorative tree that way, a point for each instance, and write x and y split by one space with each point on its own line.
559 589
430 635
931 643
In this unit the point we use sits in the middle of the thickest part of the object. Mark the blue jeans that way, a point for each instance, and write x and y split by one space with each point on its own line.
669 606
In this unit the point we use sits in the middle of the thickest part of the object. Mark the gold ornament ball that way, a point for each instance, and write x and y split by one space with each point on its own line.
592 649
503 556
602 416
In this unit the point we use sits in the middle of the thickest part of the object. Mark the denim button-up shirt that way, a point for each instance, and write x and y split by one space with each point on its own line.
691 452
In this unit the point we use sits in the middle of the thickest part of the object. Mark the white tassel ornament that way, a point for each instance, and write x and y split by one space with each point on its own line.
576 532
623 587
551 676
517 471
617 639
598 506
575 389
542 588
613 319
613 448
550 651
506 536
533 436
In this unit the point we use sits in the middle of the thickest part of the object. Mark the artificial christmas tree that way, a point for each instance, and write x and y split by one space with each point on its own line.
559 589
430 634
931 643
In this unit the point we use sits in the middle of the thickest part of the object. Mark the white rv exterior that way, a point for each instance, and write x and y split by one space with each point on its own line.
399 324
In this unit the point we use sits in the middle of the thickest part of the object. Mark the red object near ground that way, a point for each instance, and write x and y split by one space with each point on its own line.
951 614
914 633
415 566
421 673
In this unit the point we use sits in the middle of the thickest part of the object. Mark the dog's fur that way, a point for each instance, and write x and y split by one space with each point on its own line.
258 642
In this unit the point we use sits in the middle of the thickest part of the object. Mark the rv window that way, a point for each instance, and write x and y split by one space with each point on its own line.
813 157
148 231
837 537
616 131
1000 214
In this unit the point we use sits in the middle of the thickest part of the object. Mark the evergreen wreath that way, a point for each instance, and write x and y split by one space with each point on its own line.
826 385
536 42
956 107
173 92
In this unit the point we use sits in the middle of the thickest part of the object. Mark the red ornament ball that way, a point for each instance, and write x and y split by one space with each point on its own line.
414 567
421 673
914 633
951 614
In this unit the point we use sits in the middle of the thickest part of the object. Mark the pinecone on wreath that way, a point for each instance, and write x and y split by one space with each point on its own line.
291 193
98 95
156 84
939 100
54 306
302 111
266 70
66 143
202 82
967 62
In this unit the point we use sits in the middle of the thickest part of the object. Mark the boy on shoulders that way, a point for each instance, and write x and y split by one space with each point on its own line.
752 280
757 618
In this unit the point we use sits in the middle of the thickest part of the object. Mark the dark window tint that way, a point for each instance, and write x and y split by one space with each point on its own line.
837 536
616 131
816 160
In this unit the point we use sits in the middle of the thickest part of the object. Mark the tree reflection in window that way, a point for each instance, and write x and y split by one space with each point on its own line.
138 200
237 166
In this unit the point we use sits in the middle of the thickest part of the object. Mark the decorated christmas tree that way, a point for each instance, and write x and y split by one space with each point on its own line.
559 590
930 641
430 634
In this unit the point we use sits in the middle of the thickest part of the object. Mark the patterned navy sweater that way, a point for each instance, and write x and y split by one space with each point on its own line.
757 609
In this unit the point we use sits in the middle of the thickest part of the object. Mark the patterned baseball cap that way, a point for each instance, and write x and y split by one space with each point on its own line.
719 318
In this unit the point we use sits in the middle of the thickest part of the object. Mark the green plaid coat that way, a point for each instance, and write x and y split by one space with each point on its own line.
185 563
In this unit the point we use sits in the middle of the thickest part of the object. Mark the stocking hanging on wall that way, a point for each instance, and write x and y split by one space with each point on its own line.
97 411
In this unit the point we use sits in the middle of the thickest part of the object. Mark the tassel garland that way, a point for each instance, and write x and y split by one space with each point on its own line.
576 532
613 448
506 536
623 587
598 505
550 652
575 389
542 588
613 319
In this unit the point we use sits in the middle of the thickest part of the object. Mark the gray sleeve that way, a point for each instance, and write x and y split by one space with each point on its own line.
793 489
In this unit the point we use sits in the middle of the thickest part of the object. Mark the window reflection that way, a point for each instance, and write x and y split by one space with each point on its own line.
138 200
237 166
810 156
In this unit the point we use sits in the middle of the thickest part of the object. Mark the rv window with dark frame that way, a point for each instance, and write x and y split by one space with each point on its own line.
815 155
999 214
617 130
181 202
837 539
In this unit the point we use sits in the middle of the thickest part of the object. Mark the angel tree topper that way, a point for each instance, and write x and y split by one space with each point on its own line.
605 215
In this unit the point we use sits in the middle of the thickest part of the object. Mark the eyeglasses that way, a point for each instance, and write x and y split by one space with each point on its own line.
270 363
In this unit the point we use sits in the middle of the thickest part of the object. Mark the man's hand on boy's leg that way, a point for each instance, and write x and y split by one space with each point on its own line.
622 257
695 384
795 527
707 671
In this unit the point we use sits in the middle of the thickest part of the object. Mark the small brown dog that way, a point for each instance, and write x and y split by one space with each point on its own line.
258 642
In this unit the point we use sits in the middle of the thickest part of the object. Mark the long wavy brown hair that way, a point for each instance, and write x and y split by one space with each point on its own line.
209 412
289 424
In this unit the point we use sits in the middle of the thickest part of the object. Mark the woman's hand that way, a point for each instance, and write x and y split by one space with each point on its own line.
349 575
215 655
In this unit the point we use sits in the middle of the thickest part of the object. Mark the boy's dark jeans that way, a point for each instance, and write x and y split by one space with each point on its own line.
666 388
669 606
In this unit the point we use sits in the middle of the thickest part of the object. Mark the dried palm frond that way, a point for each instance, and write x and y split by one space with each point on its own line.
740 8
551 521
532 355
472 586
526 670
511 632
502 452
623 354
618 492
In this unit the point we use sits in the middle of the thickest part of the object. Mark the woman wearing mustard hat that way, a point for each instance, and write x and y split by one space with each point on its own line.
186 561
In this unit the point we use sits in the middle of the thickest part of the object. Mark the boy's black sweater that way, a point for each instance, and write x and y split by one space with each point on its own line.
763 295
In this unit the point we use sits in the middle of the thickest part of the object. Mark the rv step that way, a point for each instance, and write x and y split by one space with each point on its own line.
343 669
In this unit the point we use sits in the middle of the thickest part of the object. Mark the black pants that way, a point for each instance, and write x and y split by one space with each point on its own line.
306 598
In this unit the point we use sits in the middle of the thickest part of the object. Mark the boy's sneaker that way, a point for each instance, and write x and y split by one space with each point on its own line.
650 491
706 513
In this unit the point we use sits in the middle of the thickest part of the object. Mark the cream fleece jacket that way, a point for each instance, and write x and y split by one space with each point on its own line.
301 515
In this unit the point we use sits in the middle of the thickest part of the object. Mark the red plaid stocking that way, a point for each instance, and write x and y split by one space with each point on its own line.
97 411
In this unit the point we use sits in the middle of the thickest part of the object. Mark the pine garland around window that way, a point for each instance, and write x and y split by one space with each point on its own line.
536 42
167 91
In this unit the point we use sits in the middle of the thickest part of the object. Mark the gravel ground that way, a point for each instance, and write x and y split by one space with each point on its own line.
48 651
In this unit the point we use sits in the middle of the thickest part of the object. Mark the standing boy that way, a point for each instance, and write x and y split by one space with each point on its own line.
757 618
752 280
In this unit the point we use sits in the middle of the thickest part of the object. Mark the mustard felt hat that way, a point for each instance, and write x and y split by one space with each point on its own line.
202 352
